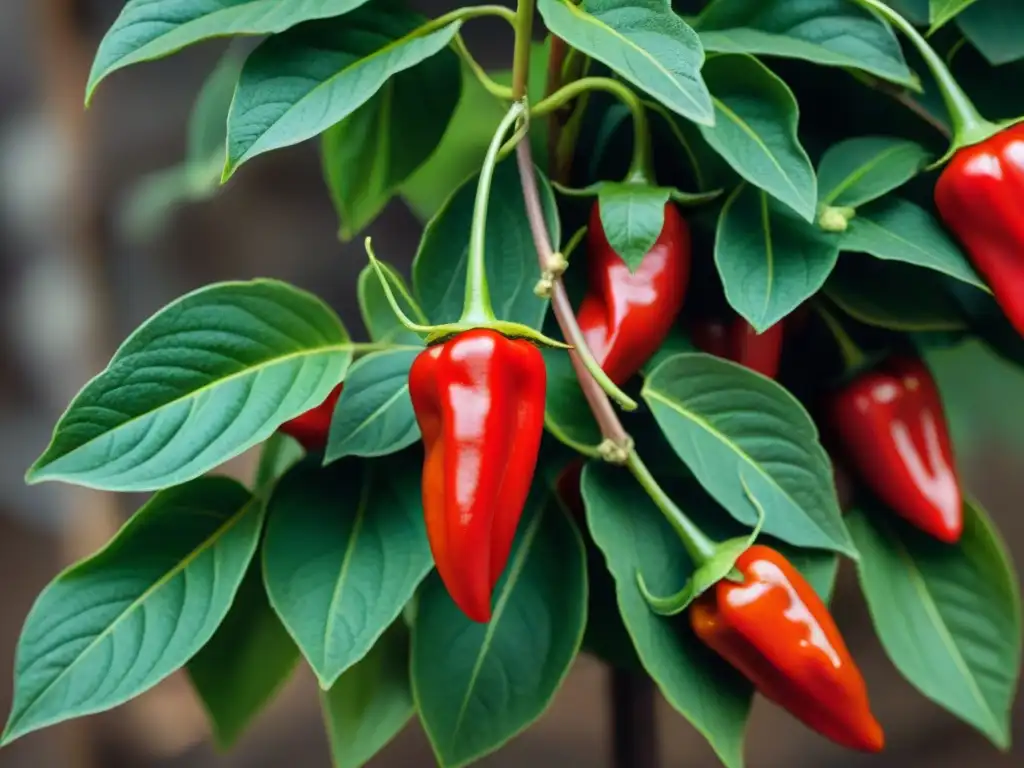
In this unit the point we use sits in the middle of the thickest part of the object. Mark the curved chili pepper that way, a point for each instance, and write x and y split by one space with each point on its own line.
311 428
626 316
739 342
479 402
980 196
775 629
891 425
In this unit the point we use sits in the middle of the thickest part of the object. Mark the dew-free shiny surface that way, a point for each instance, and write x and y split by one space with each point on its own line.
980 196
479 402
892 429
625 317
775 629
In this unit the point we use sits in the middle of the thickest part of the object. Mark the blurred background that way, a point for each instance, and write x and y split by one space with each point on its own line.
84 257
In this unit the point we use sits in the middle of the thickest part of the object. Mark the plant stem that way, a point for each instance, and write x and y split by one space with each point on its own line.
698 546
908 101
477 307
852 355
640 168
607 420
521 56
497 90
969 127
556 57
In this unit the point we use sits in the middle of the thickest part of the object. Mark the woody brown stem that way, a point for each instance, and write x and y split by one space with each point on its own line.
600 405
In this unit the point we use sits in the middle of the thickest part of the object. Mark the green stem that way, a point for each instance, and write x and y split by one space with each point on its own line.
853 357
521 55
474 12
497 90
969 127
477 308
699 547
640 167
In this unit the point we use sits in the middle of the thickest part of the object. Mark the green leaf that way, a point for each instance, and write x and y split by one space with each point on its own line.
632 216
462 149
857 171
644 41
479 685
374 415
835 33
948 616
278 454
370 153
717 567
439 270
898 230
874 292
635 538
371 702
155 195
121 621
755 130
203 380
298 84
380 320
995 28
727 422
941 11
344 551
566 413
915 11
769 260
148 30
245 663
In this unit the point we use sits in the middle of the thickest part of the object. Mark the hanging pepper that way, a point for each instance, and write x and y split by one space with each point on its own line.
890 423
739 342
311 428
980 196
775 630
980 193
626 316
479 402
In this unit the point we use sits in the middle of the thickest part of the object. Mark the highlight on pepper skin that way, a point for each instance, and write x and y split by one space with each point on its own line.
625 316
479 402
892 430
778 633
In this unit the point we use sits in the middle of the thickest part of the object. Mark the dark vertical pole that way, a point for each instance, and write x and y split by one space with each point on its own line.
634 729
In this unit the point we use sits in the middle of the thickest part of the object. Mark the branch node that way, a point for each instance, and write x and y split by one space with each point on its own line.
616 451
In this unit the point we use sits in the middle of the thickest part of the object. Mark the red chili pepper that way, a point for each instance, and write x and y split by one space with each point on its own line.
890 423
775 629
310 429
760 352
980 196
626 316
479 401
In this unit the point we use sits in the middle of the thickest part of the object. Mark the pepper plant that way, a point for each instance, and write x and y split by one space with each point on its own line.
685 270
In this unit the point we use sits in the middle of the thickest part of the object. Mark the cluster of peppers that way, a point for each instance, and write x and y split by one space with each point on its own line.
478 395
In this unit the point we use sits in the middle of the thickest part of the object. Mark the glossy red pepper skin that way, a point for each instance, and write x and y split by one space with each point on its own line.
625 317
311 428
739 342
980 196
479 402
775 630
891 426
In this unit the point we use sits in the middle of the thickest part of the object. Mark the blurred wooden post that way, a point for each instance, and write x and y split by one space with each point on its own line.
634 724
